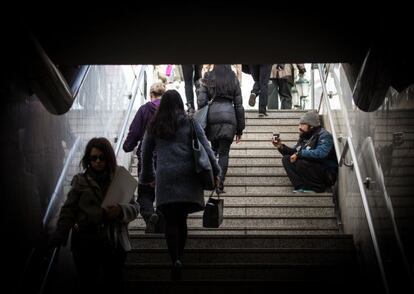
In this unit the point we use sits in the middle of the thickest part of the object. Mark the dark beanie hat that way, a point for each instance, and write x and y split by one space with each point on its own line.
310 118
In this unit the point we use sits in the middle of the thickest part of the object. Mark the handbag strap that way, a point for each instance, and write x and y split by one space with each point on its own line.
194 138
212 193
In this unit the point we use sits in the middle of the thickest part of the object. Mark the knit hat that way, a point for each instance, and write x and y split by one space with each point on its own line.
310 118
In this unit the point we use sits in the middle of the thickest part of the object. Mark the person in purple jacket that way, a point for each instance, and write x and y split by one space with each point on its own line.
146 194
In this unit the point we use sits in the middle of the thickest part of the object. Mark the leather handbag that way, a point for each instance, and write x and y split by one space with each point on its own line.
213 212
201 115
203 166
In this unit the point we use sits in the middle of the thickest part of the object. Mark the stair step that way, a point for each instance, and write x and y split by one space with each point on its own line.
242 287
255 221
258 128
289 136
270 121
268 170
199 241
267 200
235 231
276 210
270 190
258 179
259 272
285 114
256 144
246 256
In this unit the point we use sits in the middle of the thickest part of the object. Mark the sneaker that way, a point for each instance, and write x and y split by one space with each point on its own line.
307 191
252 99
297 191
262 114
152 221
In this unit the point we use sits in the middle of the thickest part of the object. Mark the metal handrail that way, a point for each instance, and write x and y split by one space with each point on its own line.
328 108
121 133
355 166
77 85
53 199
66 166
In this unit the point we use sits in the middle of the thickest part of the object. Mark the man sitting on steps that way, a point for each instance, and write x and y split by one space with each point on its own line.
311 164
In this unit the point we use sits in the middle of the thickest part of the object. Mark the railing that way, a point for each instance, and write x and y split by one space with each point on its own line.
390 258
54 203
135 88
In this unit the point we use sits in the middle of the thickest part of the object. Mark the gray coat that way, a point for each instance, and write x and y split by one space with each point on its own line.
82 210
176 180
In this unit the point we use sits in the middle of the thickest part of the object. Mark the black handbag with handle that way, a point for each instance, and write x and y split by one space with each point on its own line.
213 212
202 161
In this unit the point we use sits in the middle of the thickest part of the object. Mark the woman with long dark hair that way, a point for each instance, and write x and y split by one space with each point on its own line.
178 188
100 237
226 113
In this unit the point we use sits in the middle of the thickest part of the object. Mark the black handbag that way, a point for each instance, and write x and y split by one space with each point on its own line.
202 162
213 212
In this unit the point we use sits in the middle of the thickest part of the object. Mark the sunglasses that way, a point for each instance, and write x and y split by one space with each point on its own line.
96 157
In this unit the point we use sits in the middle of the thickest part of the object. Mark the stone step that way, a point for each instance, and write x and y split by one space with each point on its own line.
246 256
242 241
258 128
244 286
257 180
270 121
274 159
280 114
268 170
255 221
288 136
259 144
289 200
259 272
253 152
236 231
276 210
261 190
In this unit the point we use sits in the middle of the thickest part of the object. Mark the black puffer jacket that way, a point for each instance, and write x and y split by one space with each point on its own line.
226 113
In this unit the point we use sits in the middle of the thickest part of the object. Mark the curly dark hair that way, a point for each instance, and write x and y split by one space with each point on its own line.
105 147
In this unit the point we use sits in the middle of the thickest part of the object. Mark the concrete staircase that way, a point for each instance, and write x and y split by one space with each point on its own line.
270 237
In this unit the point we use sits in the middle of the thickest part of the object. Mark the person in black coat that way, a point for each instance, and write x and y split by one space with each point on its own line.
226 113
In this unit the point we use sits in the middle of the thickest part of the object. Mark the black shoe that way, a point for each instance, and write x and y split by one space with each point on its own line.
152 221
176 274
263 114
252 99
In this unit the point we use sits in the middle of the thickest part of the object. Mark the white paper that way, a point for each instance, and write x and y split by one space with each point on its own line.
121 189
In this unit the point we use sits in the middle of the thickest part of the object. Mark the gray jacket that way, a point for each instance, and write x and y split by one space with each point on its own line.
176 179
82 212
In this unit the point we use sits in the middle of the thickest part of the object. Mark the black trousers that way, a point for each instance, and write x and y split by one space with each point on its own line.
222 148
191 73
146 198
100 269
146 193
284 87
175 228
305 174
261 77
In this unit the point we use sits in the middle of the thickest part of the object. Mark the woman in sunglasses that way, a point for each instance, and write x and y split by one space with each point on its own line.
99 236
